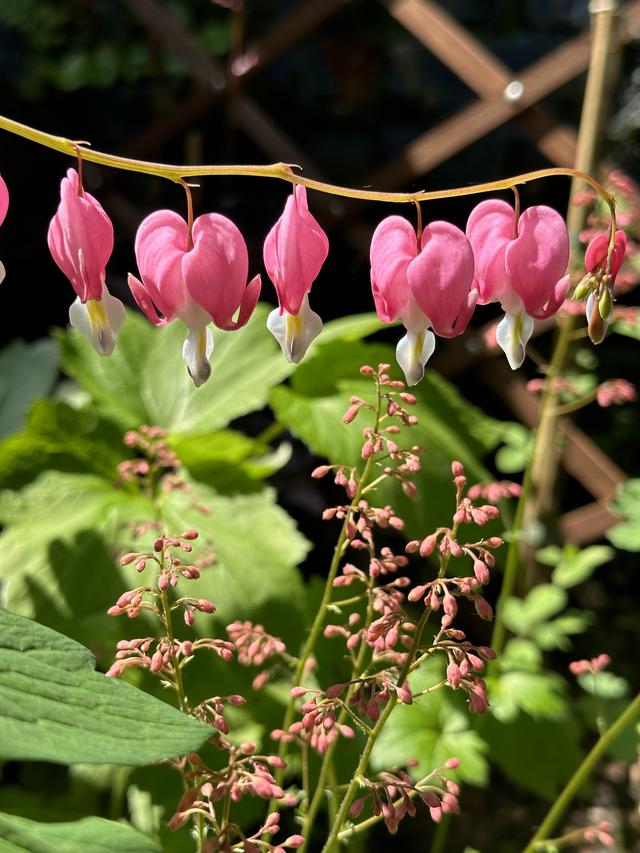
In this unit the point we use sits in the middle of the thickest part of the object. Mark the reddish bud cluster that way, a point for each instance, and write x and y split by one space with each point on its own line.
255 647
595 665
318 727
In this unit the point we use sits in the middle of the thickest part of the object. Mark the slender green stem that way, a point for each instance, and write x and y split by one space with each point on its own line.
321 613
283 172
574 405
326 768
361 769
630 713
177 669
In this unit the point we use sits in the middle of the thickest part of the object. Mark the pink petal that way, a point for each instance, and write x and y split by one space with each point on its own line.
596 254
556 299
537 259
215 270
441 278
4 200
145 303
393 247
80 239
490 227
294 251
161 243
249 301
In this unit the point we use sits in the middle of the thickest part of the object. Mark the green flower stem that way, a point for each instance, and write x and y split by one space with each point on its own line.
630 713
326 768
321 613
283 172
177 669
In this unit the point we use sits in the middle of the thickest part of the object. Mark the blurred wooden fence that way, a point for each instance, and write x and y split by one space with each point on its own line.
502 96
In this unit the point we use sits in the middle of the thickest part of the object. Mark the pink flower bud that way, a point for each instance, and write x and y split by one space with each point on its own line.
428 544
452 763
189 534
457 469
126 559
320 471
297 692
483 608
293 841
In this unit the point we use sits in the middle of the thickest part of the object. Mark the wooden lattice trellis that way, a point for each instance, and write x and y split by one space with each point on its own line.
502 96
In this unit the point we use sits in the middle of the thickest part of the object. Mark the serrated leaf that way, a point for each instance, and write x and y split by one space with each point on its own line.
538 694
257 546
448 428
435 727
521 655
553 635
55 707
606 685
27 371
57 566
549 556
89 835
145 380
575 569
626 505
521 616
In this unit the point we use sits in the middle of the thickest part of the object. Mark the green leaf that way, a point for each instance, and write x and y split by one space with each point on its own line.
538 755
606 685
434 728
257 548
521 655
538 694
229 460
543 602
352 328
448 428
55 707
58 566
145 380
516 450
89 835
62 437
576 568
629 330
554 634
27 371
627 505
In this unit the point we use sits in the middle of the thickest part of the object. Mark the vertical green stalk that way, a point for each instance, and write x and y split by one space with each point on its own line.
540 474
579 778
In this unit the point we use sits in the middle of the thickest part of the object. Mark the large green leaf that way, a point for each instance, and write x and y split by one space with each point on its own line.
55 707
448 428
257 548
27 371
89 835
59 436
434 728
145 380
61 535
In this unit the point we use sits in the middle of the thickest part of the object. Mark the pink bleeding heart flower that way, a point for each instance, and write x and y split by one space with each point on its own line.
294 251
426 284
80 239
197 276
4 206
600 280
521 265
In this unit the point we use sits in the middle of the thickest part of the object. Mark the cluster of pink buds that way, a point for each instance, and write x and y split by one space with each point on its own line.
372 694
149 653
615 392
255 647
599 834
212 710
393 794
157 463
442 593
593 666
319 726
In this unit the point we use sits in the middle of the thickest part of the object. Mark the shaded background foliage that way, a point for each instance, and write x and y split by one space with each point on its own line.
351 95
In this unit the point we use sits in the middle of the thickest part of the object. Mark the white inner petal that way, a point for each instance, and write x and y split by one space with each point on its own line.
2 272
413 352
295 332
99 321
196 352
512 336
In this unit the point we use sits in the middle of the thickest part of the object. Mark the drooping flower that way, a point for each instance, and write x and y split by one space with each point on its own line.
80 239
197 276
599 281
4 206
520 264
426 284
294 252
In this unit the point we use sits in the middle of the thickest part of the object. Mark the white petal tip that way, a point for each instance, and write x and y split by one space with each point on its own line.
512 335
99 321
196 352
413 352
295 332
